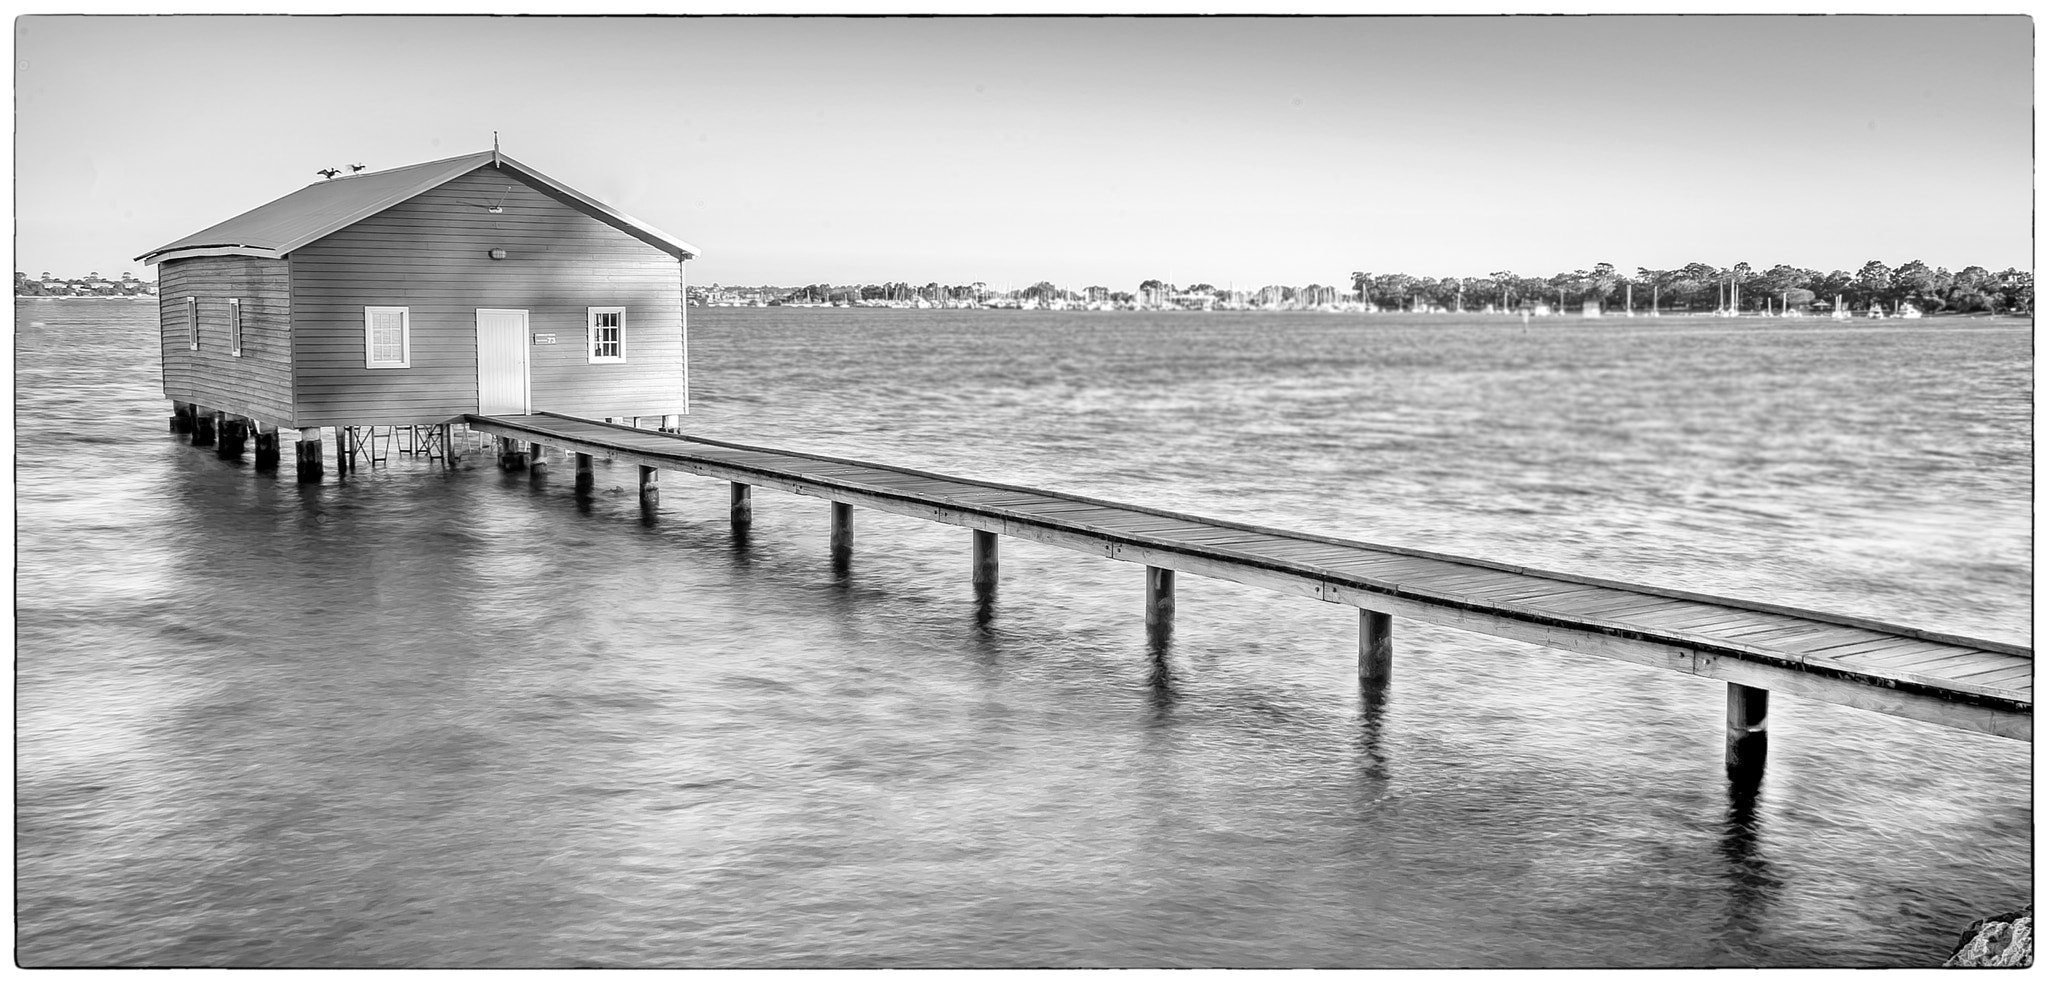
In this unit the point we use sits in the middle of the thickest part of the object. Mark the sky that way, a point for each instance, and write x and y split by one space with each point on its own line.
1085 151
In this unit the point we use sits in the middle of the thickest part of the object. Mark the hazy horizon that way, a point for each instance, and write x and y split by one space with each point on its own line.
1246 150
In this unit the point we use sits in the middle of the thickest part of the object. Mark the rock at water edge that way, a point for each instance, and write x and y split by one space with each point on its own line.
1998 941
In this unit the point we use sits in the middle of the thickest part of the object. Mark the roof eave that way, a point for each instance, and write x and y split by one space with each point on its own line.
187 252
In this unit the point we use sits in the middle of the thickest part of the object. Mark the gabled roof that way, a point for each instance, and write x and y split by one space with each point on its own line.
326 207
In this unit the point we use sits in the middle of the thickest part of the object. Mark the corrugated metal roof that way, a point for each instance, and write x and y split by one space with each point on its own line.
329 206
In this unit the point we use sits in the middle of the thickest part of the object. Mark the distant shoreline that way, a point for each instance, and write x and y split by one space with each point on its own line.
85 296
1970 316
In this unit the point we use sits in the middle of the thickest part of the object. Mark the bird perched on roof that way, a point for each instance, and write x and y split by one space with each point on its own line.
353 168
328 172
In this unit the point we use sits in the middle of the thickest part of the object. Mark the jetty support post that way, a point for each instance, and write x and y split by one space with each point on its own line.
650 485
202 426
537 458
266 446
586 477
1375 648
310 466
181 417
742 506
985 566
511 455
231 436
1158 605
842 536
1748 736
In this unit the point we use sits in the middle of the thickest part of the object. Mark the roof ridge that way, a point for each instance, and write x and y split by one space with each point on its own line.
276 228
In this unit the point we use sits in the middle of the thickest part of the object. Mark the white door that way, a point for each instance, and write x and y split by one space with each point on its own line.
501 387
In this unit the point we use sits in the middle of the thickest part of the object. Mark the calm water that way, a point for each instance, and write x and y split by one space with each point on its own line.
427 717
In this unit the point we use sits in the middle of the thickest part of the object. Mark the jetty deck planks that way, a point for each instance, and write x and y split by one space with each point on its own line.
1968 683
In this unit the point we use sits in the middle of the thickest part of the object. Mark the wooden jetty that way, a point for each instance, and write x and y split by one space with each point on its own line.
1757 648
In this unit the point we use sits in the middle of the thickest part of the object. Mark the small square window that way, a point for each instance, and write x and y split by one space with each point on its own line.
192 322
387 337
607 334
235 326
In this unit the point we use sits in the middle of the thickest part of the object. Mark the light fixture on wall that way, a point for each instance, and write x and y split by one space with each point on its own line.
497 254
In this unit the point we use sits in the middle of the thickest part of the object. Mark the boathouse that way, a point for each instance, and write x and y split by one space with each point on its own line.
416 295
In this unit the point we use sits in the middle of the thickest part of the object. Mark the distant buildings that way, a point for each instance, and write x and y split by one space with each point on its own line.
90 285
1152 295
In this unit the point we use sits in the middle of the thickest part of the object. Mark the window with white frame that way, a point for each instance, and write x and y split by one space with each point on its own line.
387 337
607 326
192 322
235 326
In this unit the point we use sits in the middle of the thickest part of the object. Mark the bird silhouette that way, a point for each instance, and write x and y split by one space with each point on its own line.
328 172
353 168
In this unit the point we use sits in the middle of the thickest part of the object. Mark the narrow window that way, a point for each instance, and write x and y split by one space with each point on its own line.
192 322
387 337
606 325
235 326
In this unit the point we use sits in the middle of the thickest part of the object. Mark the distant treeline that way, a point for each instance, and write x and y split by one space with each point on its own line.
1699 286
1695 287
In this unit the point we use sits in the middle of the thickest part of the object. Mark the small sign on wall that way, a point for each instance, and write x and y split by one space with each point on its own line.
543 339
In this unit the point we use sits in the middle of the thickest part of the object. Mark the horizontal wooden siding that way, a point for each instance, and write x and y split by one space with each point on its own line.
259 383
431 255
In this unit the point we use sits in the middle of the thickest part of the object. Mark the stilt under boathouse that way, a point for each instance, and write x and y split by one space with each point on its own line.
406 299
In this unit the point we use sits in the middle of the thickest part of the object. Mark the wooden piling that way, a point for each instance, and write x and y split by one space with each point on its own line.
536 459
586 478
511 454
1375 647
842 535
984 562
1749 739
231 436
181 417
309 454
266 447
202 427
1158 603
650 485
742 505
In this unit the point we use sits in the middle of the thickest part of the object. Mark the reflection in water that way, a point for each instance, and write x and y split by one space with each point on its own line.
1372 723
1159 693
1753 883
